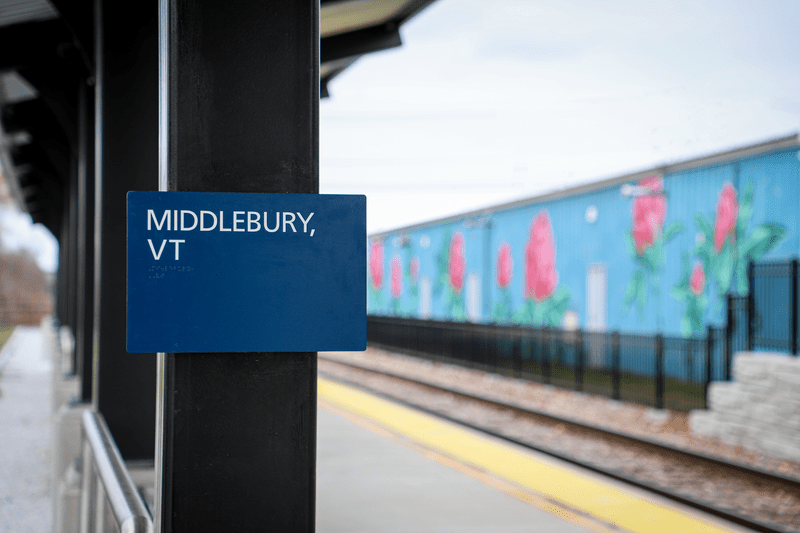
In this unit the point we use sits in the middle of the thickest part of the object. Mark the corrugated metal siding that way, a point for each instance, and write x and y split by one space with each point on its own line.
690 193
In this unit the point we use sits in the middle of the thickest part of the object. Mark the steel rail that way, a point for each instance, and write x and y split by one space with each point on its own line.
130 512
727 514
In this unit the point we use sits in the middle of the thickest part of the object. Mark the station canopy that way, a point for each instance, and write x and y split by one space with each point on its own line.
47 53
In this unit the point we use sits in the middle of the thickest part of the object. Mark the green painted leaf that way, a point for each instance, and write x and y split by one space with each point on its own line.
745 209
672 231
680 292
741 275
652 256
537 312
686 327
704 226
634 287
762 239
723 268
561 296
559 305
631 245
704 252
642 295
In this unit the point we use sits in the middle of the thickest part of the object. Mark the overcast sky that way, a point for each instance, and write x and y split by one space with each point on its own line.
489 102
492 101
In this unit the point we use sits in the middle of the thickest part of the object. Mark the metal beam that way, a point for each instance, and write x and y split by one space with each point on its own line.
240 103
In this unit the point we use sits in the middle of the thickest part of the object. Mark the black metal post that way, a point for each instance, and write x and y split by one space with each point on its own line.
548 347
71 217
85 282
659 347
615 377
709 361
729 336
126 158
751 314
793 311
240 102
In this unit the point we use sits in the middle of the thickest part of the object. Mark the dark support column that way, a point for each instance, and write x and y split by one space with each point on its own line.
61 275
85 282
127 159
71 214
238 430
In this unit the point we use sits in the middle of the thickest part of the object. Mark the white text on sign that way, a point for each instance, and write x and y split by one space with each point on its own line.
234 221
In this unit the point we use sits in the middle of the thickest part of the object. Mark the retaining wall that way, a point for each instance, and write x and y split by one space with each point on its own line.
759 409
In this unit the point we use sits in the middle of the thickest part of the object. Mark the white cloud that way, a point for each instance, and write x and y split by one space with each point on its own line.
486 100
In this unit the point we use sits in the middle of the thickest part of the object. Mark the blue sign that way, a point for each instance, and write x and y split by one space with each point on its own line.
237 272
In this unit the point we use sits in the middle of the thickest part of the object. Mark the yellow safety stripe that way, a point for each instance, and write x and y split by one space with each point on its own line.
579 492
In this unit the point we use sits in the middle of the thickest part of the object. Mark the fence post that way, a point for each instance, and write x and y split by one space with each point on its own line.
709 358
728 338
750 304
793 313
548 345
659 371
615 381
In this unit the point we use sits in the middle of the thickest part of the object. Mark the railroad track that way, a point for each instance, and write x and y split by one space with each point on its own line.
753 498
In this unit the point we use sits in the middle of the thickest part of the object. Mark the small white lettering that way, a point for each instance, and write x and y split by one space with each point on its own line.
177 243
183 221
287 214
305 221
203 226
163 243
252 221
277 222
159 225
237 221
220 222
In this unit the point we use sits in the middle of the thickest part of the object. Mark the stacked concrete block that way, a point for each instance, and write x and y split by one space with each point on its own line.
758 410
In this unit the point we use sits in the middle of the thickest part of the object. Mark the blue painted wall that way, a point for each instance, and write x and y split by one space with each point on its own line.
669 252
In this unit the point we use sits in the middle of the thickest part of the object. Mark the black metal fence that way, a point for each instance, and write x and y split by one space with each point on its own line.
665 372
658 370
772 306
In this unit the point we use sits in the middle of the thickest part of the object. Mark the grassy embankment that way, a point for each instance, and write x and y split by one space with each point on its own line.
5 333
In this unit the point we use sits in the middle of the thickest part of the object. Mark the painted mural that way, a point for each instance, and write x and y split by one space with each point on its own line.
723 250
657 254
544 302
646 242
503 310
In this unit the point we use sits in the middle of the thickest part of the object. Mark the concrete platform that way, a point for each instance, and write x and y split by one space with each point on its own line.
367 482
26 434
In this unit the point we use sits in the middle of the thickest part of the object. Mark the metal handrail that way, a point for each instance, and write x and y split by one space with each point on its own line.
102 456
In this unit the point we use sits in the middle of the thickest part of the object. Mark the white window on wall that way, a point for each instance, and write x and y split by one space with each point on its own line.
474 297
597 297
597 311
425 297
